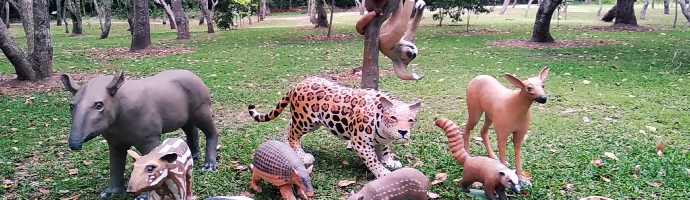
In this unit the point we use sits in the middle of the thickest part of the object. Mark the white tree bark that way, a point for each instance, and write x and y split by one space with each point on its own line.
643 12
600 6
166 8
685 9
505 6
25 8
529 3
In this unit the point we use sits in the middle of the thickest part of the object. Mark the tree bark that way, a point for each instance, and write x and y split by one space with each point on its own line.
370 62
653 4
42 58
25 8
505 6
330 24
59 12
601 2
666 10
214 3
75 14
262 10
14 54
321 19
514 3
625 15
141 31
166 8
206 14
181 20
529 3
310 11
542 23
587 2
610 15
7 14
129 8
104 11
685 10
643 12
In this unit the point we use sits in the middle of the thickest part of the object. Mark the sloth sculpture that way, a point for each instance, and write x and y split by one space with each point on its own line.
396 40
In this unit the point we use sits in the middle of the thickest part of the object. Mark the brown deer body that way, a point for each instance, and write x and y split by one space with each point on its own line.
507 109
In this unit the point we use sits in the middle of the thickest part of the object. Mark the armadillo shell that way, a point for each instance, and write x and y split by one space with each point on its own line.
277 158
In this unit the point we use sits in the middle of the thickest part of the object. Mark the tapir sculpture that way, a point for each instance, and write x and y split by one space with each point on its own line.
137 112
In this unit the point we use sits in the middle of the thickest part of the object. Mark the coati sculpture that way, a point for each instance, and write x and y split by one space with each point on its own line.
507 109
396 41
402 184
495 176
278 164
137 112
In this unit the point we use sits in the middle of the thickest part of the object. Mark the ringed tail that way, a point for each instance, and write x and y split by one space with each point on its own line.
455 141
271 115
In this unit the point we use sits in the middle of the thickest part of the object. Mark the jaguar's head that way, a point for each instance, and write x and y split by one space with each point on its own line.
398 118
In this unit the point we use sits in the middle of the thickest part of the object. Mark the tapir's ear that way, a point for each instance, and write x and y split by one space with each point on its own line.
415 107
133 154
170 157
115 84
515 81
70 84
309 170
544 72
385 102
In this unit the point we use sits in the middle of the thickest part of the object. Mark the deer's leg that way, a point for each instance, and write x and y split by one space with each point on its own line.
502 142
473 116
517 146
485 136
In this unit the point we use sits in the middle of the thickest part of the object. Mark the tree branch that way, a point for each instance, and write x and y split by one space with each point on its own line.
370 63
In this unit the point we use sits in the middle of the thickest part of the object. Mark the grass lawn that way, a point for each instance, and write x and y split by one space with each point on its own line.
620 98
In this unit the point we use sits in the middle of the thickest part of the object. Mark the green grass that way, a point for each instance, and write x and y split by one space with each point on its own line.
259 63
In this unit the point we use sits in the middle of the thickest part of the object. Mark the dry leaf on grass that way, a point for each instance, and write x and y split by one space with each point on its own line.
240 167
63 191
432 195
659 146
611 155
605 178
586 82
86 163
245 193
654 184
636 171
440 177
651 128
75 197
409 158
586 120
43 191
419 163
526 175
596 198
73 171
345 183
596 162
345 162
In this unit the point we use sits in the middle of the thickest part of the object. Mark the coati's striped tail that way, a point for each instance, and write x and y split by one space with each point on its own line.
273 114
455 141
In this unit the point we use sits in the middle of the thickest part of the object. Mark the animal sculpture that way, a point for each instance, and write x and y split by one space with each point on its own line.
396 41
507 109
137 112
495 176
402 184
165 173
278 164
372 120
229 198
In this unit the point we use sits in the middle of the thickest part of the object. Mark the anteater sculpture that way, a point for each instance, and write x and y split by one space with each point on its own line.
278 164
137 112
402 184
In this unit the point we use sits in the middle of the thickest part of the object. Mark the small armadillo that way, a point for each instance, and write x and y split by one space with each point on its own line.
165 173
279 164
402 184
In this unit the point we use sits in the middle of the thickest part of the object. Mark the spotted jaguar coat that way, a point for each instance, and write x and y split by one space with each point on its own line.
370 119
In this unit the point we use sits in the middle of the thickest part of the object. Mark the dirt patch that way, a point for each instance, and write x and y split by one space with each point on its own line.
526 44
480 31
322 37
9 85
622 28
350 75
436 25
150 52
318 29
237 118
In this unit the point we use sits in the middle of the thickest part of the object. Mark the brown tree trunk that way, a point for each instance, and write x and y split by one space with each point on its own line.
129 9
666 10
370 62
141 31
25 8
529 3
321 19
166 8
505 6
685 9
104 12
610 15
201 16
262 10
181 20
643 12
59 12
214 3
42 58
310 11
330 25
206 14
625 15
542 23
600 5
75 14
15 55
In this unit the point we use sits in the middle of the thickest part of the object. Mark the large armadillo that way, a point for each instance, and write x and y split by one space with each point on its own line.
279 164
402 184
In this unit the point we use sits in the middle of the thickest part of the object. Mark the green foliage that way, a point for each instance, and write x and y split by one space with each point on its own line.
454 9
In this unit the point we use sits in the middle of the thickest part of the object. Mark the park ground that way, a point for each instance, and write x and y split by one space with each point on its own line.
611 107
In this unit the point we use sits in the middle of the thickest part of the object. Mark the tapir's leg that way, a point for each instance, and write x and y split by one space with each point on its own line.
192 133
204 120
118 153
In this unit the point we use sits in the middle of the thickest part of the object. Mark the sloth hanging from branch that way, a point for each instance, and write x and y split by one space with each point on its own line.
396 41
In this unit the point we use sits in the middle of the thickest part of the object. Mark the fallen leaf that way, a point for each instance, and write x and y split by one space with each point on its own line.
44 191
596 162
345 183
86 163
15 148
240 167
458 180
63 191
687 170
73 171
478 139
408 157
586 120
605 178
345 162
524 192
440 80
432 195
651 128
654 184
611 155
419 163
75 197
586 82
636 171
526 175
566 74
440 177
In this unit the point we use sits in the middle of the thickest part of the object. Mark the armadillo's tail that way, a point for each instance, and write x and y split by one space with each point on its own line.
455 141
273 114
229 198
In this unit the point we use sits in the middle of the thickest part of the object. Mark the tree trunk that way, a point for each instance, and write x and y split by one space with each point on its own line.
214 3
14 54
104 12
676 18
643 12
505 6
330 25
26 14
250 15
310 11
625 15
181 20
600 6
166 8
262 10
322 18
666 11
529 3
7 14
79 3
653 4
360 6
141 31
42 58
610 15
75 14
59 12
205 14
587 2
370 62
542 23
685 10
514 3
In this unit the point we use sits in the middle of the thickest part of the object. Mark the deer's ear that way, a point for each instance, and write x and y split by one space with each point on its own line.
133 154
515 81
544 72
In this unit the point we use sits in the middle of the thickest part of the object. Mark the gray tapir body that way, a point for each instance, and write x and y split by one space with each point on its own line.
137 112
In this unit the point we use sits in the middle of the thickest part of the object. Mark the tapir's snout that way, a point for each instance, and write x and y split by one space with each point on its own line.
541 99
75 143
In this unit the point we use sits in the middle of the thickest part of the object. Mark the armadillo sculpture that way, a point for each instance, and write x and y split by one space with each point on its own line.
402 184
278 163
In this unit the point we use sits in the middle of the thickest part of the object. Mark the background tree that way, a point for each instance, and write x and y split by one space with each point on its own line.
38 65
262 10
141 31
75 15
454 8
168 11
505 6
684 9
542 24
643 12
181 20
59 12
26 14
104 16
330 24
321 18
206 14
666 11
601 2
623 12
